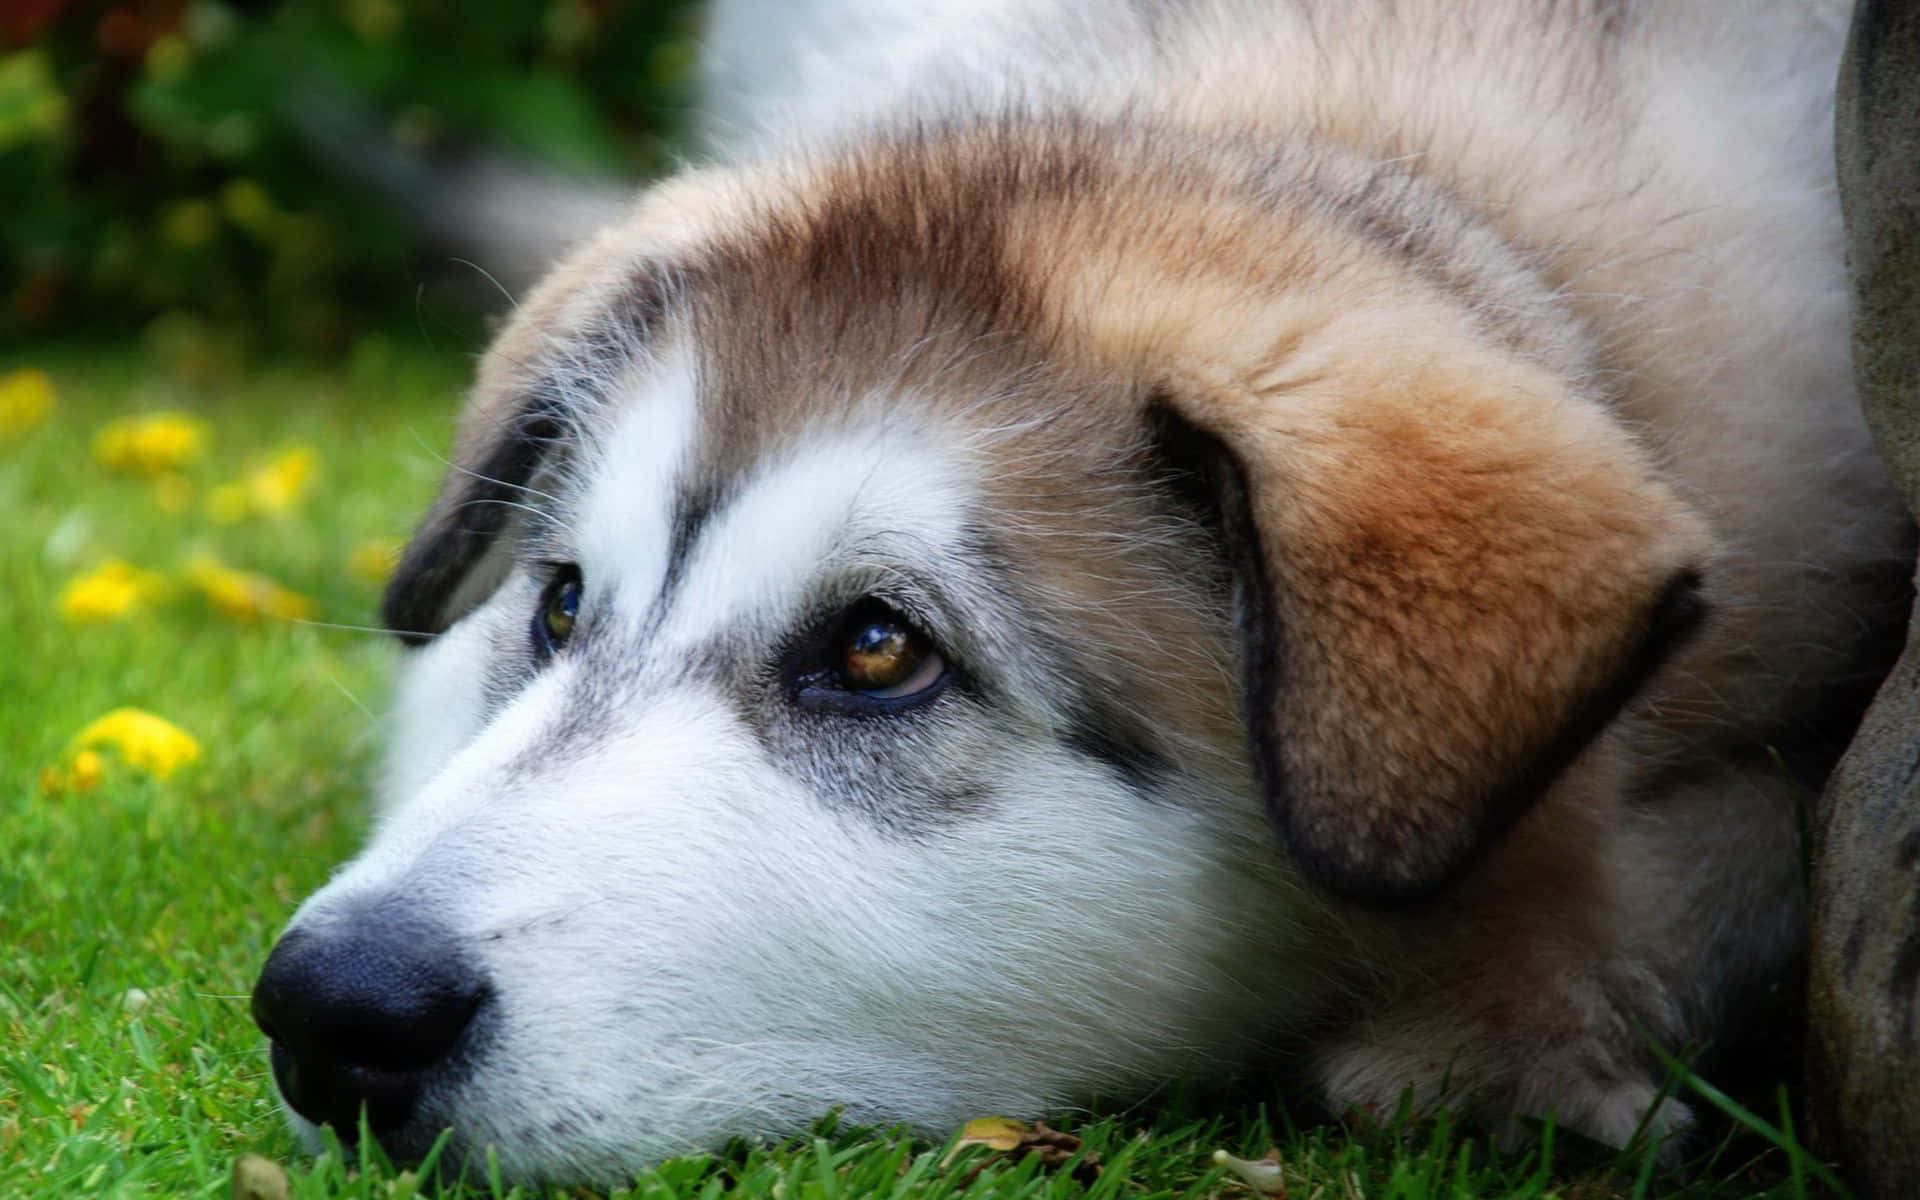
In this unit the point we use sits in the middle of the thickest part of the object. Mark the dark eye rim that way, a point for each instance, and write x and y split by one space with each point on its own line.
815 680
565 576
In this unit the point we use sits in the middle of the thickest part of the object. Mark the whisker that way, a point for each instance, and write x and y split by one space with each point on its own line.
526 489
379 629
433 453
489 277
372 721
538 514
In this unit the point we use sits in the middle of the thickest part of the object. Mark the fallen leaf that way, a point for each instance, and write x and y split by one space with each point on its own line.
995 1133
256 1177
1014 1140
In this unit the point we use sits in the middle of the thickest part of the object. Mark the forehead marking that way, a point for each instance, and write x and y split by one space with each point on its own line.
691 511
877 497
625 535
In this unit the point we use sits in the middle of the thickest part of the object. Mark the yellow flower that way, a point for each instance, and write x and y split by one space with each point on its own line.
25 397
110 591
277 486
145 742
150 444
269 490
243 595
87 770
85 774
373 561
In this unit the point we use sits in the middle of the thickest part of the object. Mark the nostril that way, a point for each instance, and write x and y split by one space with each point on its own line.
360 1012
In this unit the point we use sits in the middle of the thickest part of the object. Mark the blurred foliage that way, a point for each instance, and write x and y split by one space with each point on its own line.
158 173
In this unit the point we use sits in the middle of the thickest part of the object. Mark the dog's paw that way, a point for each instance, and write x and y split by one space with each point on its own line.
1615 1112
1579 1084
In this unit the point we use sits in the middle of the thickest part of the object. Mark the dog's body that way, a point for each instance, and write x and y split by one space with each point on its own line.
1425 432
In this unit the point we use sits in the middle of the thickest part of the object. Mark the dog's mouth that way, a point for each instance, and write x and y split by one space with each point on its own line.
336 1094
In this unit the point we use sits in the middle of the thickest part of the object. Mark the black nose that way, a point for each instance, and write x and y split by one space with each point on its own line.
361 1011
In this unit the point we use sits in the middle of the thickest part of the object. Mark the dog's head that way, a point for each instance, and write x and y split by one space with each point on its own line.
877 611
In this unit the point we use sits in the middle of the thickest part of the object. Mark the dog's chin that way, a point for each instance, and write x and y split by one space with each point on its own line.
473 1152
404 1148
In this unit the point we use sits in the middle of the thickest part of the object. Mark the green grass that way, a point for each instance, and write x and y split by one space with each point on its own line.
133 915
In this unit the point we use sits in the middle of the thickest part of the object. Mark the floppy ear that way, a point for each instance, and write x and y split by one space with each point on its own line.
575 332
1452 575
446 569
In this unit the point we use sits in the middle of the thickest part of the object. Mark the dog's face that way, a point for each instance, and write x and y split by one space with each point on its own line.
756 789
867 612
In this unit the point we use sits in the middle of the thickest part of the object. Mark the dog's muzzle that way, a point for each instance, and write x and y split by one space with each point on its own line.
366 1010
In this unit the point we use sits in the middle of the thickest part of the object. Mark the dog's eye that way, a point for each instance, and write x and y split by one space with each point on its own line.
559 605
876 659
881 655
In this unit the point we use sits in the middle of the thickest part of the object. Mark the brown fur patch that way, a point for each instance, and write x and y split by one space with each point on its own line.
1461 553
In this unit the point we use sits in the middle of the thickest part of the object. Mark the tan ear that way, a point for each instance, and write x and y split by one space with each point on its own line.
1454 573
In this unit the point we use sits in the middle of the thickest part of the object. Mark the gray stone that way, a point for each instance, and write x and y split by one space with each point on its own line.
1864 1044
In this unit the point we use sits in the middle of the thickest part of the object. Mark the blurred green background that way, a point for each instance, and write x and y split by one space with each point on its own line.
160 176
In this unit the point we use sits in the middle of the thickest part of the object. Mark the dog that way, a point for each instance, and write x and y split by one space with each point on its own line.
1094 544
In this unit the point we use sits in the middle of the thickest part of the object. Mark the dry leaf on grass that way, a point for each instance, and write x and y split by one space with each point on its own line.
258 1178
1012 1141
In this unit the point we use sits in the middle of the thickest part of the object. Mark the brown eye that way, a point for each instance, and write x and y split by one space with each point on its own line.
880 654
553 625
